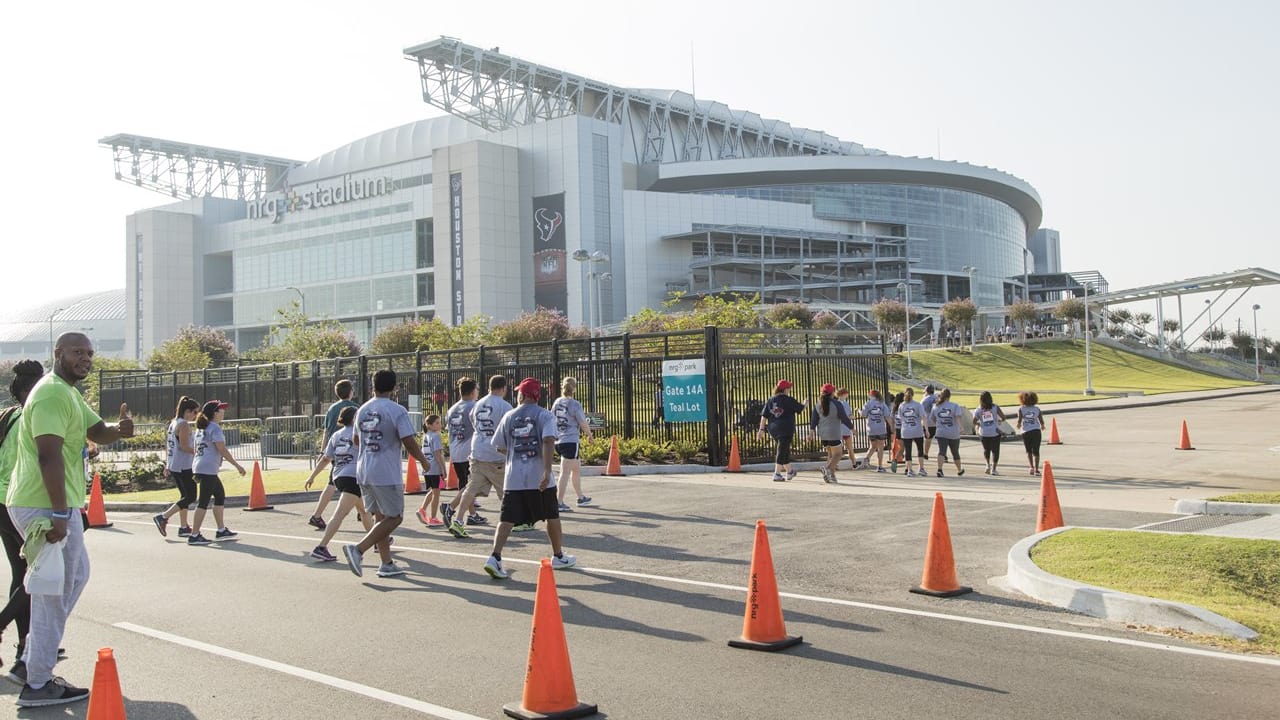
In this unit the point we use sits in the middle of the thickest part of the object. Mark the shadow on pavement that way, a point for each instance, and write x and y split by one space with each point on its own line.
586 514
136 710
606 543
809 652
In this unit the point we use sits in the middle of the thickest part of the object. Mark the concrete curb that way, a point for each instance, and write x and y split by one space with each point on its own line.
1072 407
1210 507
233 501
1026 577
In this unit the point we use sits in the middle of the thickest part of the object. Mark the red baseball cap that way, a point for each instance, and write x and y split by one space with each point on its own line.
530 387
828 388
783 385
212 407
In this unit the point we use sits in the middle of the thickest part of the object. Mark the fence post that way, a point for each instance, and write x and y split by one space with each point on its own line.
555 362
715 430
204 387
628 402
174 394
480 368
315 387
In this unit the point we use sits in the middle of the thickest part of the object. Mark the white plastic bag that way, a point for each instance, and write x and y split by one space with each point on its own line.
46 575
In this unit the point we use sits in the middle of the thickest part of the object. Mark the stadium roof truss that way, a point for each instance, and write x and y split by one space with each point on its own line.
183 170
499 92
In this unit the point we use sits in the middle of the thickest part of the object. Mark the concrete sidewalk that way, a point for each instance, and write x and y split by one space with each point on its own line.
1142 401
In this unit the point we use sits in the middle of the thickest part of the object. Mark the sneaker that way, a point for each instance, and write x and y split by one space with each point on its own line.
477 519
162 523
791 474
55 692
434 522
353 559
910 473
390 570
198 539
1033 472
17 673
447 511
493 566
584 500
1037 472
564 561
184 531
456 530
565 508
777 477
960 471
225 534
987 471
995 471
939 473
322 554
422 516
523 528
316 522
880 469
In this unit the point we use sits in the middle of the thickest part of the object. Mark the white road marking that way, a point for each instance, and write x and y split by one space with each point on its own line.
427 708
1261 660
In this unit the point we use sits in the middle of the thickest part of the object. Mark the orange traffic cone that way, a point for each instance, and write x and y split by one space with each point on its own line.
615 460
106 702
257 494
939 577
548 679
97 509
735 461
1186 439
762 625
1053 432
451 483
1050 514
412 485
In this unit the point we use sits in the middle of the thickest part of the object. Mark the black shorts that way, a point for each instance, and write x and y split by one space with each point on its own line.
347 485
832 443
931 432
567 451
525 507
463 471
431 481
874 438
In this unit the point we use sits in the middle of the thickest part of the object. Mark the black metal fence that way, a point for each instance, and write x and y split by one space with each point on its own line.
619 379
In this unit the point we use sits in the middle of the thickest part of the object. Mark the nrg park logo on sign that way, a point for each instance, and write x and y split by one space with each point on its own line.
292 200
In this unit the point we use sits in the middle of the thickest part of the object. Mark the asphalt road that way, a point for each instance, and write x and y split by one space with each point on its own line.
254 629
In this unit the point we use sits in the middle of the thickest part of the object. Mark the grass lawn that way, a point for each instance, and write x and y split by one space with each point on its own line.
1271 498
274 481
1236 578
1055 366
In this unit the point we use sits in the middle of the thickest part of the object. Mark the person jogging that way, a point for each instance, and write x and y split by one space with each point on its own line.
930 426
527 437
829 419
382 428
340 454
946 417
571 424
911 419
462 430
778 417
180 456
1030 423
878 417
17 609
343 389
987 422
486 462
434 472
211 449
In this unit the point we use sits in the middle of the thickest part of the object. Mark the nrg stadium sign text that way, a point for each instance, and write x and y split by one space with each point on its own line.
320 196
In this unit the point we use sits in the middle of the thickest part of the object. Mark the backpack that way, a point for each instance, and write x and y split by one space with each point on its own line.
7 422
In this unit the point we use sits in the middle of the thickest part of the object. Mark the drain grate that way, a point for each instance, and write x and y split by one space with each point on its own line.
1196 523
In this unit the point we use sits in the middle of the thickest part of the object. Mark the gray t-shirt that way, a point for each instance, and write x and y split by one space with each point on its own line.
1030 415
176 459
382 424
521 433
457 422
485 415
911 420
927 406
876 413
432 444
988 421
946 415
569 419
208 459
341 452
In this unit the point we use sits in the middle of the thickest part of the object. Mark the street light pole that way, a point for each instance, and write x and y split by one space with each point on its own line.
906 312
1257 361
582 256
54 314
302 296
1026 277
1088 370
972 332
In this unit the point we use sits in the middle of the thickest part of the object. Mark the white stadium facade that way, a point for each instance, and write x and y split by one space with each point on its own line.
544 188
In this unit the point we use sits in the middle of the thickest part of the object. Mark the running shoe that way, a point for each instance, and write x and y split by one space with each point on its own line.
477 519
777 477
987 471
584 500
994 471
960 471
1033 472
390 570
791 474
456 530
184 531
322 554
493 566
880 469
565 508
198 539
55 692
17 673
353 559
447 512
434 522
422 516
225 534
910 473
940 473
316 522
161 524
1037 472
564 561
522 528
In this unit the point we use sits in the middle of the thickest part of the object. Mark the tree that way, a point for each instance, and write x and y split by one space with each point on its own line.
1121 316
790 315
1214 335
826 320
1143 319
89 387
293 338
398 339
1069 309
540 325
960 313
1242 342
730 310
1023 312
1115 330
192 348
421 335
1170 326
891 314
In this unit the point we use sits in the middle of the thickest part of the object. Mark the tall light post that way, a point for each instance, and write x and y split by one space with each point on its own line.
1088 370
303 297
597 258
54 314
1026 277
972 332
906 313
600 278
582 256
1257 361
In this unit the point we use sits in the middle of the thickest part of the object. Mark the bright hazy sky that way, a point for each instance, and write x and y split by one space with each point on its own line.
1149 128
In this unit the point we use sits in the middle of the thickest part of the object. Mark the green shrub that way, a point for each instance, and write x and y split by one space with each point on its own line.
144 468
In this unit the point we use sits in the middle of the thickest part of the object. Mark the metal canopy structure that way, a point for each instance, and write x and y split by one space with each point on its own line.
499 92
183 170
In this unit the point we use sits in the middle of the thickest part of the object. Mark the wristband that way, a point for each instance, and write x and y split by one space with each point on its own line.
62 514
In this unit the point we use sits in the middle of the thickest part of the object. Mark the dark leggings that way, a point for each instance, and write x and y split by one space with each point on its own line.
211 487
18 607
1031 441
991 448
784 451
906 446
186 486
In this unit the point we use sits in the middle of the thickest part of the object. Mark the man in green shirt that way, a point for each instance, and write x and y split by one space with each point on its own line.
47 485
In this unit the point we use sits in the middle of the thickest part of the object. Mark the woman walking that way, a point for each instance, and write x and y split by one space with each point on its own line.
829 419
911 429
571 424
211 448
846 433
779 417
1030 422
946 416
987 422
181 455
878 417
341 453
26 374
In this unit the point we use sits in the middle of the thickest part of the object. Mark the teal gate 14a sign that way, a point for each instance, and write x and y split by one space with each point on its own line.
684 390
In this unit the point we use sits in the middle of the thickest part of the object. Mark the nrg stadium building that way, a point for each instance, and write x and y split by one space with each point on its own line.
539 187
